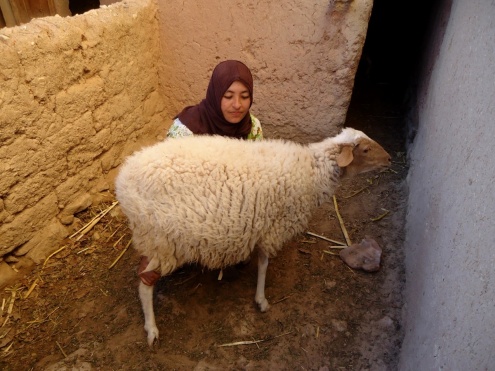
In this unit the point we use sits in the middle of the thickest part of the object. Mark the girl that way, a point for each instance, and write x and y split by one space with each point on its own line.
225 110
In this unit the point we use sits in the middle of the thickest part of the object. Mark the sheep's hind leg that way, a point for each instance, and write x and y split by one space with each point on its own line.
148 278
260 287
146 296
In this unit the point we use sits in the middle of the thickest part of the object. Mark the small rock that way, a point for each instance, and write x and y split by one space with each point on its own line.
7 274
385 322
11 259
44 243
330 284
339 325
66 219
365 255
73 362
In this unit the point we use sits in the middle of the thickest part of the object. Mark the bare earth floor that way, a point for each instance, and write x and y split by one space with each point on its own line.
83 315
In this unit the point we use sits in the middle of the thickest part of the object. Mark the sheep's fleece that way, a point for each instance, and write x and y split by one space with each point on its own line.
212 199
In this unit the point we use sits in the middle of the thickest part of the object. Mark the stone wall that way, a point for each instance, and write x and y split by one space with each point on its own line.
303 55
450 265
76 94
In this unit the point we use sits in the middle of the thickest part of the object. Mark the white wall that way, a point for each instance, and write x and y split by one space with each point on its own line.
450 245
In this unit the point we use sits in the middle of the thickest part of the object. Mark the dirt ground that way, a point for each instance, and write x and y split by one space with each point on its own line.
84 315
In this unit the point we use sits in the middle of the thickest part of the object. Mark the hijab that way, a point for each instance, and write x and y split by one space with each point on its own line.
207 116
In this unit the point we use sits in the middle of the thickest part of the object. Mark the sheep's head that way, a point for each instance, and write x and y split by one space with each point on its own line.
361 154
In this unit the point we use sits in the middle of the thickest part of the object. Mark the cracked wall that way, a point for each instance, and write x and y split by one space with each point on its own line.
76 94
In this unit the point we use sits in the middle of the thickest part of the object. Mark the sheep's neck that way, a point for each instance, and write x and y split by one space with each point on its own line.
327 178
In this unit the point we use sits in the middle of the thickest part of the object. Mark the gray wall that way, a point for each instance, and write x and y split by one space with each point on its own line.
450 244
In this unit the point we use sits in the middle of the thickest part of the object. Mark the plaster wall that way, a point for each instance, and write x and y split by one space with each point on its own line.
450 258
76 94
303 55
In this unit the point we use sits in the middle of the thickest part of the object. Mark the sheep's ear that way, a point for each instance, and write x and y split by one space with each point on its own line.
345 157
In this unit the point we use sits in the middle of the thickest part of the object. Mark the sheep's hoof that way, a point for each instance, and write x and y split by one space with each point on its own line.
153 337
263 305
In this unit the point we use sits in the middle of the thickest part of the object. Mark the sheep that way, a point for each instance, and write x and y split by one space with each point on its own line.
212 200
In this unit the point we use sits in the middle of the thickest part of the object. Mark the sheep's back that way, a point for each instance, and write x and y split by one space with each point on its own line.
211 199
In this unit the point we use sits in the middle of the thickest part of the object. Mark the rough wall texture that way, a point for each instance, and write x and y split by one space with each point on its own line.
303 55
450 260
75 94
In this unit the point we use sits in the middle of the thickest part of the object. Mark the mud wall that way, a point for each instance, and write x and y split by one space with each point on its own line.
76 94
450 265
303 55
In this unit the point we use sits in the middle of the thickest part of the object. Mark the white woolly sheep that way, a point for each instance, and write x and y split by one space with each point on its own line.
212 200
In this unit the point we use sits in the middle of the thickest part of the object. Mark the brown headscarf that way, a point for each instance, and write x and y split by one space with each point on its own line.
207 117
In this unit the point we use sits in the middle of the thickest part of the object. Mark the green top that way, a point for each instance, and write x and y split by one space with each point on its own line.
178 129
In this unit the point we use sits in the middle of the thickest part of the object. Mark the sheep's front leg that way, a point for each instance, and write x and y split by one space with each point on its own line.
146 296
260 287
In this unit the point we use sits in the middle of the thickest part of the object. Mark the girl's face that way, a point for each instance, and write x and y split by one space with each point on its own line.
235 102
